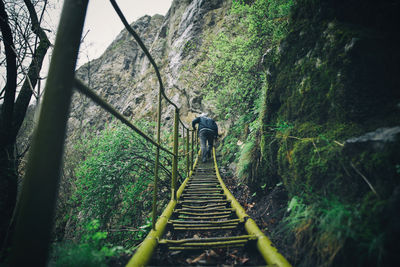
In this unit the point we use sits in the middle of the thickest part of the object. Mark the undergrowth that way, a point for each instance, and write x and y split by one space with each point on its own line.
325 226
108 212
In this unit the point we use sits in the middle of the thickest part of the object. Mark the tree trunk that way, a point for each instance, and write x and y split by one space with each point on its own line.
12 114
8 175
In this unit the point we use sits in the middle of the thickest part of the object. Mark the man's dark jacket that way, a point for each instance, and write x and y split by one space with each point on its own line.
205 123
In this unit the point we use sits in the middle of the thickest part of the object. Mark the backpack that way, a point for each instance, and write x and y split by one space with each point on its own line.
210 123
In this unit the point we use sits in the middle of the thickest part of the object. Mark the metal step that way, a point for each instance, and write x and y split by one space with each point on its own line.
208 243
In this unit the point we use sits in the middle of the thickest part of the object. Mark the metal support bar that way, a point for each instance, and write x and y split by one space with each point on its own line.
155 189
144 252
81 87
200 240
192 151
187 152
40 184
141 44
197 141
175 157
157 161
184 154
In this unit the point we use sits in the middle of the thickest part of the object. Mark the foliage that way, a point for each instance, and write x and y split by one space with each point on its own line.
114 177
236 59
246 160
267 19
317 97
236 79
326 225
110 204
111 195
89 252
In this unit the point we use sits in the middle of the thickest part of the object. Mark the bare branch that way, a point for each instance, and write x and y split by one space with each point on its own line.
365 179
11 84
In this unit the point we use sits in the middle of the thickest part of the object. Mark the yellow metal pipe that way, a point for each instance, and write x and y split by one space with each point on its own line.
90 93
264 245
187 152
157 161
144 252
191 153
175 157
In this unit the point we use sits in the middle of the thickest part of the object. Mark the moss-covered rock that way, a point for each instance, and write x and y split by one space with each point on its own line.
333 80
336 78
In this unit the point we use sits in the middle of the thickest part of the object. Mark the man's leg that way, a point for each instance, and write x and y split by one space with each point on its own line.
210 139
203 145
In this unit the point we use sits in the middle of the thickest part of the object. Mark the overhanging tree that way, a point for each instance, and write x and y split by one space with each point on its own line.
25 45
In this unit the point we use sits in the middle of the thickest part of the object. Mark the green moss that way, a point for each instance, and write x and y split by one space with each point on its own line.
246 159
333 79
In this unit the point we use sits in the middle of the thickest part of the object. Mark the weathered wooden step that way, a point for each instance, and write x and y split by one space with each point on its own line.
205 222
204 201
206 243
203 197
222 208
204 207
208 239
204 214
204 190
201 194
205 228
187 217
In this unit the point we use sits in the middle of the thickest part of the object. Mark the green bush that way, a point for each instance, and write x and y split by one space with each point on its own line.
111 196
89 252
235 63
113 183
324 227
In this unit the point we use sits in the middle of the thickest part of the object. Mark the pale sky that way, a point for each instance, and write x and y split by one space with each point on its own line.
104 24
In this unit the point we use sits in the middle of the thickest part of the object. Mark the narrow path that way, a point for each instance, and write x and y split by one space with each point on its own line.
204 228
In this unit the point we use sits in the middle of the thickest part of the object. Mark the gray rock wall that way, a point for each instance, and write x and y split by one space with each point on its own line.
125 78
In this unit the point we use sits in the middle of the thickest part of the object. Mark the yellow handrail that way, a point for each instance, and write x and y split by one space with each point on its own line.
143 255
264 245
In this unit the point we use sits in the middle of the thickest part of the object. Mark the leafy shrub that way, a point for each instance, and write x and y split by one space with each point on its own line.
236 77
114 185
326 226
89 252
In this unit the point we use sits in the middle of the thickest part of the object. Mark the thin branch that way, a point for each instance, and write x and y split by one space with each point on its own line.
26 76
338 143
365 179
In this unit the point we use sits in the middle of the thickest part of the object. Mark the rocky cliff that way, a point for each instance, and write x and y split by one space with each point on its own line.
124 77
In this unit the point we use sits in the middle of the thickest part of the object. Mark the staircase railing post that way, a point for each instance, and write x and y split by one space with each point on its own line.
157 161
187 153
197 142
184 141
191 156
35 210
175 157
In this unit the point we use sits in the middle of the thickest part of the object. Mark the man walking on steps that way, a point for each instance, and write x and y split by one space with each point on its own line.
208 131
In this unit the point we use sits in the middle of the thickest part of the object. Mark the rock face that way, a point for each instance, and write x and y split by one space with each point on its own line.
125 78
377 138
334 80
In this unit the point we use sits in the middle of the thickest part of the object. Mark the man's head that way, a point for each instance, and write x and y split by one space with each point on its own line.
204 114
